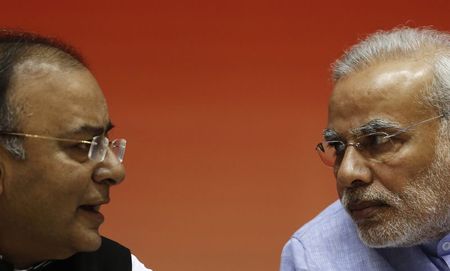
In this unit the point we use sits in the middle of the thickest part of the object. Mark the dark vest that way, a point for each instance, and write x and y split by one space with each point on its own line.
111 256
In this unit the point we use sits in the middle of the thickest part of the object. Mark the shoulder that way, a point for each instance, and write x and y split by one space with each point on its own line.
333 223
112 250
329 242
111 256
110 246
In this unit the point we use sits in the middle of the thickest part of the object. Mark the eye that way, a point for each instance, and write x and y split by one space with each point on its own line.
84 147
376 143
377 139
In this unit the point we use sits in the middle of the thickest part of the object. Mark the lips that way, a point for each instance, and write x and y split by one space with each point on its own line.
91 210
364 210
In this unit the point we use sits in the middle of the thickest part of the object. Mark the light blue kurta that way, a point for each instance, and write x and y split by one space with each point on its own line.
330 242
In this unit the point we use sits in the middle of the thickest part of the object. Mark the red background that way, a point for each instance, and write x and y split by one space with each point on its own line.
222 103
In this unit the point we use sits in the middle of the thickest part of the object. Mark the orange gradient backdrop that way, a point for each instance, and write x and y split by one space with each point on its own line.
222 103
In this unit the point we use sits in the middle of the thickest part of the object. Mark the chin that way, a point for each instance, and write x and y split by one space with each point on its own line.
86 241
379 235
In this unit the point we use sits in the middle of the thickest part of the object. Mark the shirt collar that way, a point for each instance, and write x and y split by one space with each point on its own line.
437 248
430 247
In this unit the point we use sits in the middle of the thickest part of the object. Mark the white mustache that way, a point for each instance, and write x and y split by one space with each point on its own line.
374 192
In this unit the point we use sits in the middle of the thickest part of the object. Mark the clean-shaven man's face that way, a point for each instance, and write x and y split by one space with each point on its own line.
49 202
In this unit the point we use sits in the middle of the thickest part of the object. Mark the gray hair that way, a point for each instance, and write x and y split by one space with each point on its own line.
8 120
16 47
401 43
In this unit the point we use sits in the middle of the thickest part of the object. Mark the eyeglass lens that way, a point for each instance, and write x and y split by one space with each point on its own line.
118 147
377 146
99 148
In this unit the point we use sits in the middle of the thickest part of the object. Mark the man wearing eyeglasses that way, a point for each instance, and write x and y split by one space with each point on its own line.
56 161
388 143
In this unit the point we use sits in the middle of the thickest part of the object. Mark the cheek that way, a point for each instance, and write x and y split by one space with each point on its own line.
396 177
51 186
46 192
410 162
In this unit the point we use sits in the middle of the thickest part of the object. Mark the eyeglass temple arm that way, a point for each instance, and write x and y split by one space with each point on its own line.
47 137
414 125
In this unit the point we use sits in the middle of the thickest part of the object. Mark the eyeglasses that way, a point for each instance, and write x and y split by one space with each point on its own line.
379 146
99 145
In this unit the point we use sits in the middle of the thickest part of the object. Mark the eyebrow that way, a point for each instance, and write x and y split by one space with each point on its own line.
92 130
331 135
374 126
370 127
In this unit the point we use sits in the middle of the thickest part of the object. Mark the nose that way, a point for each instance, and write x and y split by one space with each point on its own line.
352 171
110 171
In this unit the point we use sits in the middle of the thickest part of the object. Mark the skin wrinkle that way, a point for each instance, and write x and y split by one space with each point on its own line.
423 203
410 185
88 130
42 194
400 75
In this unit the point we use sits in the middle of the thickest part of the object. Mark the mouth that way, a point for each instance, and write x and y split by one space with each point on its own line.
362 211
90 208
92 212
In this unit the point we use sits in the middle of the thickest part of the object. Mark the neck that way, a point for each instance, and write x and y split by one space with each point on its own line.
20 255
18 264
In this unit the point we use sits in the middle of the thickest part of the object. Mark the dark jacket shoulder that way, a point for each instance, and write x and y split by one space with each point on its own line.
111 256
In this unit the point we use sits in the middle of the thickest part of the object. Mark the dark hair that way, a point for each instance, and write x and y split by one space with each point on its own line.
16 47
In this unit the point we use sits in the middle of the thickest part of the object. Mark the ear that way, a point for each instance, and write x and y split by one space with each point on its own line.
2 176
3 162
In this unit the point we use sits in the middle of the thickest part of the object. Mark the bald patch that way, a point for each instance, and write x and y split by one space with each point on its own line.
35 68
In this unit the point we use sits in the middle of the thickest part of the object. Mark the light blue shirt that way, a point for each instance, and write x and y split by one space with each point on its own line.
330 242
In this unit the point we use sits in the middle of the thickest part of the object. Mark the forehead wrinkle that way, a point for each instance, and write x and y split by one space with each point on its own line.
92 130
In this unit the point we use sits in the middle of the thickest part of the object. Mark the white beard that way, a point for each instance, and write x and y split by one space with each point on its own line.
421 212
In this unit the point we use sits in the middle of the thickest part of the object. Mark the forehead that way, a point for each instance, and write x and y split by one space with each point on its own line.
50 99
389 91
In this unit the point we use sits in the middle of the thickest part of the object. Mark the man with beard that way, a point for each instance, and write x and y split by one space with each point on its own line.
387 140
57 164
